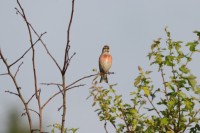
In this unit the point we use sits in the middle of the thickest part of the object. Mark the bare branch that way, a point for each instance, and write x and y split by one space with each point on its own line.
80 80
39 38
70 87
18 89
49 99
33 63
51 56
3 74
67 88
164 82
60 108
64 69
105 124
34 111
68 40
27 50
18 70
51 84
68 62
12 93
32 97
151 102
75 86
60 90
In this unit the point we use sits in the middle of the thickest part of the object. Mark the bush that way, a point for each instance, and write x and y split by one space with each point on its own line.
173 104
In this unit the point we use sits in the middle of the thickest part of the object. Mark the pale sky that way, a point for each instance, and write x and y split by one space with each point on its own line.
127 26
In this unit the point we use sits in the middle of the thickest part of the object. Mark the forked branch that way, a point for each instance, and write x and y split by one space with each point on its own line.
19 94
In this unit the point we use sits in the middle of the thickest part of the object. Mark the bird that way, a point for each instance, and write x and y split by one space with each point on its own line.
105 63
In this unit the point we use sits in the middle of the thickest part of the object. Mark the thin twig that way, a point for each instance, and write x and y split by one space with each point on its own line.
191 121
68 39
18 90
80 80
31 97
60 90
56 84
27 50
54 95
3 74
68 62
124 117
33 63
51 56
70 87
54 60
34 111
75 86
50 99
60 108
154 107
164 83
178 90
18 70
105 123
12 93
189 57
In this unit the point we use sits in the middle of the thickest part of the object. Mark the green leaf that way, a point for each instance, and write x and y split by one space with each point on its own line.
171 104
150 109
146 90
73 130
57 125
184 69
192 45
162 101
188 104
170 131
182 94
150 55
137 81
155 44
148 72
191 81
197 90
198 34
53 131
164 121
121 127
180 83
177 45
167 32
159 58
169 60
94 103
133 111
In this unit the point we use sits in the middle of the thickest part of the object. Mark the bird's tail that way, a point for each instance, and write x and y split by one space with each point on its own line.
104 77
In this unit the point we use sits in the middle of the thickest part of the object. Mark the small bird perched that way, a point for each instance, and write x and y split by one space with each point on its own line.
105 62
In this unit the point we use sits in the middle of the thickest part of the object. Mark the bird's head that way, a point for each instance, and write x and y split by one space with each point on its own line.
106 49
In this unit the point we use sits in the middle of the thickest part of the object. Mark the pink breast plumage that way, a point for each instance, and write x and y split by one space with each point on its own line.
106 62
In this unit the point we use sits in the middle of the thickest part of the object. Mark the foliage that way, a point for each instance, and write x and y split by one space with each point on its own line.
173 104
59 127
